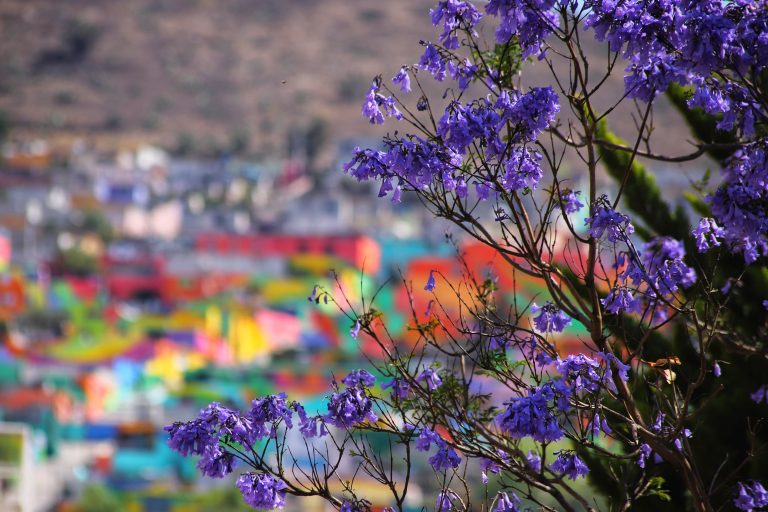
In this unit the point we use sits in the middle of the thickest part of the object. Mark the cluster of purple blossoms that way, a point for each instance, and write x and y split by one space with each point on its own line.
377 105
353 405
522 169
431 377
445 458
690 42
506 503
415 161
581 373
490 466
267 412
262 491
482 121
455 15
441 64
620 299
531 21
532 416
645 452
569 464
607 221
570 201
310 426
400 388
707 234
664 268
550 318
752 496
740 205
445 500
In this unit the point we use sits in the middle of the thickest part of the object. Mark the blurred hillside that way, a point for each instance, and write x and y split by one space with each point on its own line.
205 76
200 75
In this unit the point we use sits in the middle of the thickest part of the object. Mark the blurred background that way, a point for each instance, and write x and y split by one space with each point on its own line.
170 193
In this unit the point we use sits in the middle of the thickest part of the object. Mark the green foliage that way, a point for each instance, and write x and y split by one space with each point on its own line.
98 498
75 261
720 446
94 221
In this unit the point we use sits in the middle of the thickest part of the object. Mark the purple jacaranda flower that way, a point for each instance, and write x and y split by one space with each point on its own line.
534 460
570 201
262 491
550 318
569 464
752 496
430 286
760 394
310 426
607 221
352 405
532 415
400 388
645 452
431 377
355 330
619 300
506 502
707 234
402 79
359 377
445 500
216 462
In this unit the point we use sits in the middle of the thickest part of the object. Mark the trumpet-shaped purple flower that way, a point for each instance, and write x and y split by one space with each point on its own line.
454 14
359 377
506 503
580 372
752 496
645 452
352 405
532 416
262 491
445 500
620 299
550 318
433 62
570 465
266 412
445 457
530 20
403 80
607 221
430 286
400 388
193 437
665 269
354 331
522 169
760 394
216 462
310 426
431 377
707 234
570 200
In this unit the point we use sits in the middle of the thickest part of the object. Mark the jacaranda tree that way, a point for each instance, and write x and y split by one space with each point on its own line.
664 406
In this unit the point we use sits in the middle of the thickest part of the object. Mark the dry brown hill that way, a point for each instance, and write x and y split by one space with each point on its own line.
207 74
